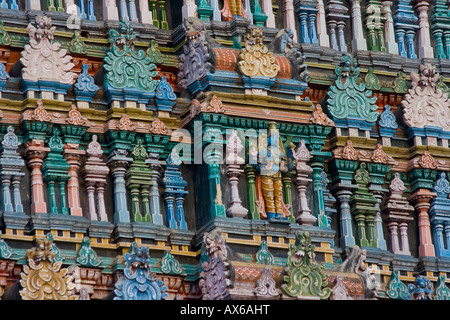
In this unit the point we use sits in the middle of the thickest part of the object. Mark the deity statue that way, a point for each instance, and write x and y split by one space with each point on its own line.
271 160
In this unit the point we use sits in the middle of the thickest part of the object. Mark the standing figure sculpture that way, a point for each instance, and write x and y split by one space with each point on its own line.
271 160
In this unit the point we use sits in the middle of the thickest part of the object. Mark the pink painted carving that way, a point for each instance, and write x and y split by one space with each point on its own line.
426 104
380 156
125 123
427 161
320 118
75 118
349 153
40 114
215 105
158 127
44 59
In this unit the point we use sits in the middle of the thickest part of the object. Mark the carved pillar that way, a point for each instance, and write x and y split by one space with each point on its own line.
398 214
16 182
234 171
286 180
307 12
391 45
33 5
35 152
324 41
347 238
189 9
250 175
123 10
342 171
359 41
337 18
405 24
72 156
110 11
289 17
11 165
421 200
439 216
267 8
155 207
425 49
94 174
318 200
118 164
302 155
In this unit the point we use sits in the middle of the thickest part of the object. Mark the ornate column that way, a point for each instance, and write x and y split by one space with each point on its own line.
94 174
398 214
110 11
359 41
337 18
289 17
363 207
391 45
421 200
174 192
35 152
189 9
322 34
439 216
374 26
250 176
138 183
10 170
307 12
425 49
405 24
302 155
155 207
33 5
378 171
234 171
118 163
266 6
55 172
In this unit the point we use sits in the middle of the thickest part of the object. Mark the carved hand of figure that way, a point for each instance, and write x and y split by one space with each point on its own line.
283 166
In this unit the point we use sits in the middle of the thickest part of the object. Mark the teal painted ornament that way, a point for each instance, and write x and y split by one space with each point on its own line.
304 277
397 290
85 88
58 257
86 255
129 73
165 97
263 255
351 104
169 265
5 250
442 291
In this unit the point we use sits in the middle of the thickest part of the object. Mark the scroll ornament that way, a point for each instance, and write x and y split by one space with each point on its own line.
255 59
426 104
43 278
